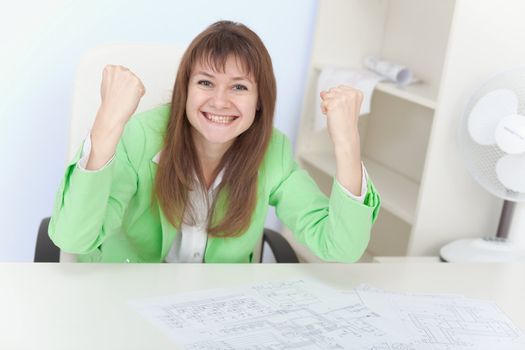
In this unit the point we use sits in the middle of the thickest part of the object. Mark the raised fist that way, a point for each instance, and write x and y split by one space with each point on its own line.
121 91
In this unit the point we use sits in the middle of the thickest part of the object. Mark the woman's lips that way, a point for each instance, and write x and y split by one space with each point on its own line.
219 118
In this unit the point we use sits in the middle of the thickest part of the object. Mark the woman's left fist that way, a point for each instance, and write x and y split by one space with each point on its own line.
342 106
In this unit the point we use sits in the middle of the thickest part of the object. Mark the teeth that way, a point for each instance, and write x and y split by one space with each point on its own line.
222 119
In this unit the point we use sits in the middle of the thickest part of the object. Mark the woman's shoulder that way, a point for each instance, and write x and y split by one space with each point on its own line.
279 144
278 161
279 153
153 120
144 132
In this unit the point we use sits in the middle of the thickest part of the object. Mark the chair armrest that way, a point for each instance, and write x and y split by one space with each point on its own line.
45 250
282 250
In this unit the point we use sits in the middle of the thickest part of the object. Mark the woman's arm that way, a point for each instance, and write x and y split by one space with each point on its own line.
335 228
341 105
120 92
89 205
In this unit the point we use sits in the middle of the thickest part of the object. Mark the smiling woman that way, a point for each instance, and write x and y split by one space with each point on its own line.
224 75
191 181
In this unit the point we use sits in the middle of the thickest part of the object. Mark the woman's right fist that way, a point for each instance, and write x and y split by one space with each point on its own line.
121 91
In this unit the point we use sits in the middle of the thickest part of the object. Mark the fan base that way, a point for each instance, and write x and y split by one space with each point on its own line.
487 249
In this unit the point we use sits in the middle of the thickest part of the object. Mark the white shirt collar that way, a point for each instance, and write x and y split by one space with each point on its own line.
156 158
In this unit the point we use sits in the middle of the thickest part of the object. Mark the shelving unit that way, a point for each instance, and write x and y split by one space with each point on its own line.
420 93
408 141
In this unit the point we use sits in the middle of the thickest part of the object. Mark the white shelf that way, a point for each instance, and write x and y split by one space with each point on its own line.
398 193
419 93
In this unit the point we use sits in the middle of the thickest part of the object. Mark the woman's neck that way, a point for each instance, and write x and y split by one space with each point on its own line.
210 155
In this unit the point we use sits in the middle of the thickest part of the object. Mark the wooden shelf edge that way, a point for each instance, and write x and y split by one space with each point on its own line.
418 93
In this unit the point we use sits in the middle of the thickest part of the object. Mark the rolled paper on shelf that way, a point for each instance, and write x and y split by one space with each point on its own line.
392 71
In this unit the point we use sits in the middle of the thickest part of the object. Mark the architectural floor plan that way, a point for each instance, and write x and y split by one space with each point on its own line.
445 321
306 315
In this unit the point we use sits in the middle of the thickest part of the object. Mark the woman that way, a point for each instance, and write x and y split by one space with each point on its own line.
191 181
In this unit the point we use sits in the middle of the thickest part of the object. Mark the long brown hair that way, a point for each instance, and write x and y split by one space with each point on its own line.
232 208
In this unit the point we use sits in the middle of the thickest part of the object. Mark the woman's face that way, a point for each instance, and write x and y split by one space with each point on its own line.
220 105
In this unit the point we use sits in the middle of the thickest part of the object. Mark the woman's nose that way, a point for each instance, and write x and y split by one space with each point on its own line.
220 99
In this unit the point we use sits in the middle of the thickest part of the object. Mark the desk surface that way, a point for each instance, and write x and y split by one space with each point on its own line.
83 306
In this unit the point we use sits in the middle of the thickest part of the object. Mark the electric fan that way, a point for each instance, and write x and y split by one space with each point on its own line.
492 142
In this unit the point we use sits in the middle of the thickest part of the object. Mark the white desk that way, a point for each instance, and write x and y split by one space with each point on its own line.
83 306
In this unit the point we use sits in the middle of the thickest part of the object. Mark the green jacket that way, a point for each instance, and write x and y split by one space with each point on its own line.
108 216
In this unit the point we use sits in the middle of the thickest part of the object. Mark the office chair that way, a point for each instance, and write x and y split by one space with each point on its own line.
47 251
156 66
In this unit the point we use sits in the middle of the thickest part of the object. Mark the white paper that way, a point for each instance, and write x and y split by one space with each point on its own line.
273 315
394 72
445 322
306 315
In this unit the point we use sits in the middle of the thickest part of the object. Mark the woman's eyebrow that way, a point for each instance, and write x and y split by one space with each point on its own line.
246 78
206 74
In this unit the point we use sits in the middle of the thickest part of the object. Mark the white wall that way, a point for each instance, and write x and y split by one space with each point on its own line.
41 43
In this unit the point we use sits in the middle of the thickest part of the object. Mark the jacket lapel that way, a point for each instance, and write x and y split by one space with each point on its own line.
168 234
168 231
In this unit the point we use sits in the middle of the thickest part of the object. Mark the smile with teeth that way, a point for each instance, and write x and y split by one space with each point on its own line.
221 119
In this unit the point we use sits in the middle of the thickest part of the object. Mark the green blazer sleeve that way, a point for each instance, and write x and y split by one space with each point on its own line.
335 228
89 206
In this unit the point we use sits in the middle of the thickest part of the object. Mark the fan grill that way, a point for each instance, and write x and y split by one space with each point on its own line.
481 159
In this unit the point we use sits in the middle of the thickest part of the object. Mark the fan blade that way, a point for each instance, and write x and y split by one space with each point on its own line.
488 112
510 134
511 172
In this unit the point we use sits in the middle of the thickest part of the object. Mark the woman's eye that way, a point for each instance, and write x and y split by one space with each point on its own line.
206 83
240 87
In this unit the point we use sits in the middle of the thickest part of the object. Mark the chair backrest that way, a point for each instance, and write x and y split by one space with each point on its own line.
155 65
